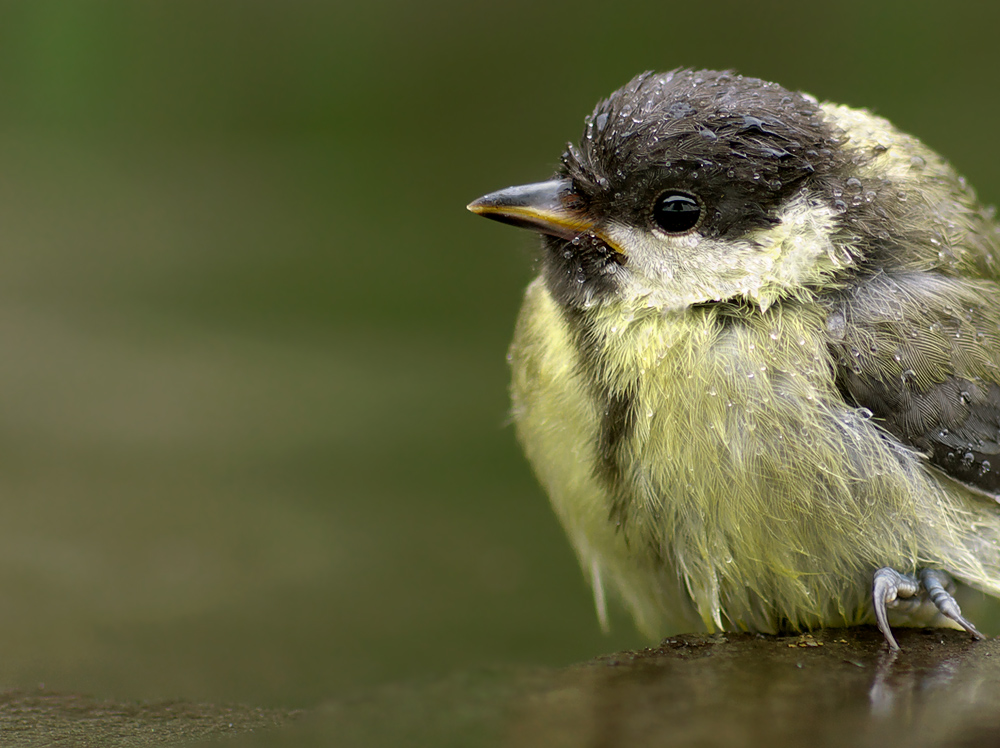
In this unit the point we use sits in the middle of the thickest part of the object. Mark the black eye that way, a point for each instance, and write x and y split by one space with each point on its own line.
676 212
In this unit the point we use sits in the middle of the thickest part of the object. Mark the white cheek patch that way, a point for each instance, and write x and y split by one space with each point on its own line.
799 249
675 272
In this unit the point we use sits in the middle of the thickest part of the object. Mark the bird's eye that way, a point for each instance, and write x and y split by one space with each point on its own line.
676 212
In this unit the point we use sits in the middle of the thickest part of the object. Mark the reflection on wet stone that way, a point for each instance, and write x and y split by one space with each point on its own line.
835 687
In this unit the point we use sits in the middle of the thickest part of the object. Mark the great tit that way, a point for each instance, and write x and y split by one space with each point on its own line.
758 374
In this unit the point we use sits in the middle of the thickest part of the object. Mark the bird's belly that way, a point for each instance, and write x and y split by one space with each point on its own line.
739 490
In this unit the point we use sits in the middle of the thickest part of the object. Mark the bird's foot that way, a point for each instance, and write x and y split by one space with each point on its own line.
889 587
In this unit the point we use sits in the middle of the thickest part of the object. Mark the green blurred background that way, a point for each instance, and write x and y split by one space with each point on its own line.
252 347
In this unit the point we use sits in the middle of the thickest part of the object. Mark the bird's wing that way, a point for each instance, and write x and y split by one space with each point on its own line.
921 351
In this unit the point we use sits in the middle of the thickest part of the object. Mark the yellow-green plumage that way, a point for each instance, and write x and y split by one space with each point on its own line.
702 429
747 499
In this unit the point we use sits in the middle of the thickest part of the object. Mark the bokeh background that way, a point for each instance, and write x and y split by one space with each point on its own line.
253 438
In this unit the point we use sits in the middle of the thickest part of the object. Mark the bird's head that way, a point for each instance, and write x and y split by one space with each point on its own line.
698 186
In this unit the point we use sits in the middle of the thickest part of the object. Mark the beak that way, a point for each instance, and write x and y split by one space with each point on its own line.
549 207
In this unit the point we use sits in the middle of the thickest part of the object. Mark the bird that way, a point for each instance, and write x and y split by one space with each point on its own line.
758 373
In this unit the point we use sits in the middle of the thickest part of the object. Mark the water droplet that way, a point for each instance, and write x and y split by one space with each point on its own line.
864 413
853 184
917 162
965 397
968 458
984 467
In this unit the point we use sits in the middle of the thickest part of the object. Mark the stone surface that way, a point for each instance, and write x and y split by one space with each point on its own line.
38 718
833 688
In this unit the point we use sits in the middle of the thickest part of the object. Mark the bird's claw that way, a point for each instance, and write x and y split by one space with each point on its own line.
889 586
939 585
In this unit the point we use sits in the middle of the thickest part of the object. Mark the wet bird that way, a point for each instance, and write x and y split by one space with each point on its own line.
759 372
